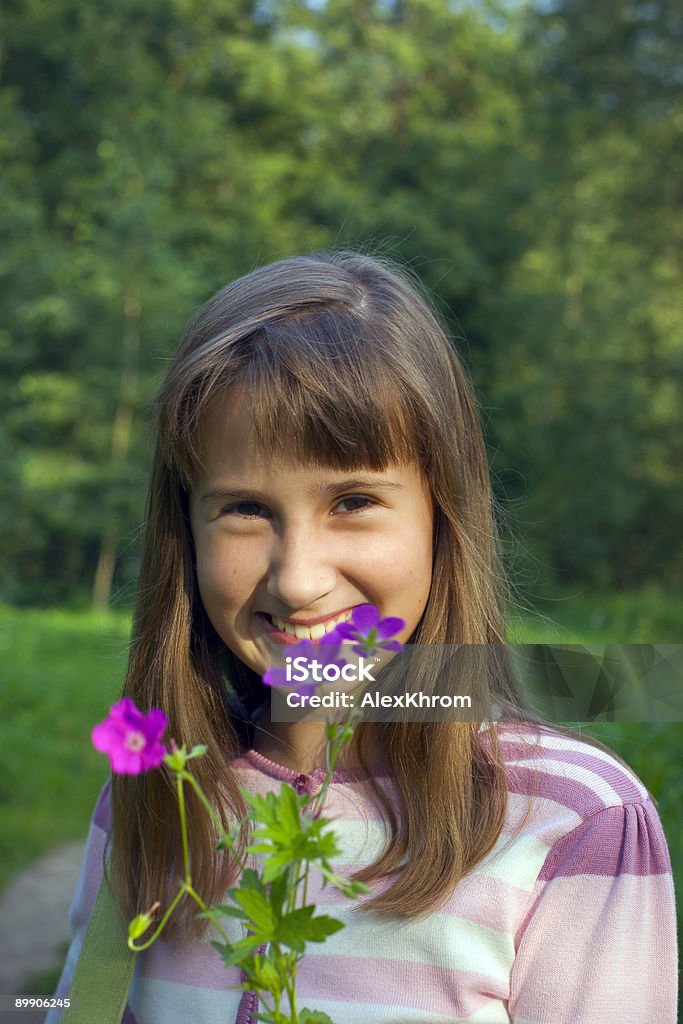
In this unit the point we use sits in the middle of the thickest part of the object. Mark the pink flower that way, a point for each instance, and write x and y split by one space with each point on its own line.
130 738
368 631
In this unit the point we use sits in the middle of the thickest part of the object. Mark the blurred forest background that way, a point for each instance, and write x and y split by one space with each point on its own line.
524 158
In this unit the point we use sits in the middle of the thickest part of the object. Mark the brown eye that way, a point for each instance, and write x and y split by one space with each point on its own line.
245 510
360 503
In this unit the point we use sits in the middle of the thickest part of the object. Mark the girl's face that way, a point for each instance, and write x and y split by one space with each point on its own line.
281 547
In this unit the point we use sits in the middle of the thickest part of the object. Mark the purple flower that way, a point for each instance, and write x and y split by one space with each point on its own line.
324 653
368 631
130 738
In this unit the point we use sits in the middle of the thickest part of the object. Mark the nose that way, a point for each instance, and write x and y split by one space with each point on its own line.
301 570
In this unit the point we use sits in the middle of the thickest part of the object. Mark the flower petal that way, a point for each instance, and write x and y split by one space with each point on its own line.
126 762
123 707
275 676
344 631
391 645
155 724
102 737
153 756
364 617
389 626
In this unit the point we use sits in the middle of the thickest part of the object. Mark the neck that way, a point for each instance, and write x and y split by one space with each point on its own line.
300 746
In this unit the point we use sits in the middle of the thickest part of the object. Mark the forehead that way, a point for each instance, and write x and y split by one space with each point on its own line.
227 422
230 430
235 434
231 453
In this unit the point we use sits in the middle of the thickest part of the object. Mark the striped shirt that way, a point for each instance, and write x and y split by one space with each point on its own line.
571 921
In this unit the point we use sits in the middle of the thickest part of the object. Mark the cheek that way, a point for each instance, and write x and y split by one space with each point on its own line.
402 565
220 576
418 562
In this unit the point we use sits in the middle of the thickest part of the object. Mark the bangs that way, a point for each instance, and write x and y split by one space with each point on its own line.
321 391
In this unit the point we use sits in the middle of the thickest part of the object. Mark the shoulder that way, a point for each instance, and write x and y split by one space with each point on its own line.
578 806
548 764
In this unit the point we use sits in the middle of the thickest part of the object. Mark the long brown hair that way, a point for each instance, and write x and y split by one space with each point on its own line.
345 363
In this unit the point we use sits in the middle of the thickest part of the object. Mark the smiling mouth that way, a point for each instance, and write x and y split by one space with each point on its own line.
288 632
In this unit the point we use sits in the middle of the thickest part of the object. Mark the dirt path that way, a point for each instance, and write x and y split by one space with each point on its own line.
33 922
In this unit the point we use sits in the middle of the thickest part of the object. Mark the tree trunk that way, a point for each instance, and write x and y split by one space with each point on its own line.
120 439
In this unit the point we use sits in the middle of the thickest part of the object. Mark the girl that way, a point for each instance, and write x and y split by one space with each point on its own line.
318 449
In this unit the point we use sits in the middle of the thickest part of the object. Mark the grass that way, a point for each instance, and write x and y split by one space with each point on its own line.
61 671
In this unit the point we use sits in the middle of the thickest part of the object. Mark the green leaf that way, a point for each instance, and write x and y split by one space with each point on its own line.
223 948
293 929
176 759
251 880
322 926
276 865
198 750
259 804
299 927
223 910
345 885
241 950
139 925
278 894
257 907
314 1017
263 974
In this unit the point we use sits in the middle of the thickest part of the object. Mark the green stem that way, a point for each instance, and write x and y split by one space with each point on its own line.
186 887
332 751
306 884
209 913
198 790
292 885
212 814
288 974
183 827
162 925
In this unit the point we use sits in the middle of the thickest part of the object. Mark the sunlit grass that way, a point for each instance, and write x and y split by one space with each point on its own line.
60 671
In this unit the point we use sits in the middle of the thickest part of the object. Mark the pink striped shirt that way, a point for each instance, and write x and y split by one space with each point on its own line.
571 922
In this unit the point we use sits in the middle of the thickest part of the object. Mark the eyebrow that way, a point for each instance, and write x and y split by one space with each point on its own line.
353 483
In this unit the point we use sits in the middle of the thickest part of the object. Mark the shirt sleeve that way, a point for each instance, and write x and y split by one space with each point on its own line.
87 887
598 944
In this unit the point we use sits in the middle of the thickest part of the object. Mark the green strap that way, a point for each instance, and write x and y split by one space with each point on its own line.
104 971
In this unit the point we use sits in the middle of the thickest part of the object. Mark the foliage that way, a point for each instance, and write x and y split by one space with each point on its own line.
525 159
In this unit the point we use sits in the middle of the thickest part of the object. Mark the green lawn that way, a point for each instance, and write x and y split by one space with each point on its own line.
60 672
62 669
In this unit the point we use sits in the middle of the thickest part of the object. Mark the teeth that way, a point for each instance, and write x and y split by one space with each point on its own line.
316 632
